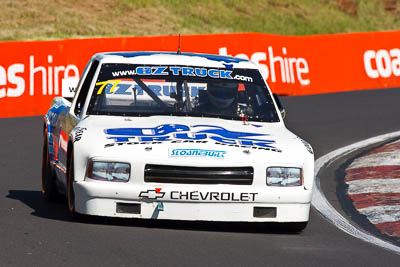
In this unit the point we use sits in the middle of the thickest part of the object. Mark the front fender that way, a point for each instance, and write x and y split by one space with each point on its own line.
78 151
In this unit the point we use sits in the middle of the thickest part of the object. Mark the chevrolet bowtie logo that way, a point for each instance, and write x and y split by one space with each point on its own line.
152 194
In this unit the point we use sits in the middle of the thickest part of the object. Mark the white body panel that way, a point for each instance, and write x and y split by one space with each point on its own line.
187 201
271 145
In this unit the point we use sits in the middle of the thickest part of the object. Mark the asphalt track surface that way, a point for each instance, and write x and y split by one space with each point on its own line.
36 233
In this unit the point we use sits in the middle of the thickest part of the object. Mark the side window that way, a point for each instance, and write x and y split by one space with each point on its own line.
80 101
83 75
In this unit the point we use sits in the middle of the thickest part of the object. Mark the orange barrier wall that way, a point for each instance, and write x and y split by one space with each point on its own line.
31 72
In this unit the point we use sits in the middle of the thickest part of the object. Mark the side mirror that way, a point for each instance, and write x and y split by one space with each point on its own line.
280 105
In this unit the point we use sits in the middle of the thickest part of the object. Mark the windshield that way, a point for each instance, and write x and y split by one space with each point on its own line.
146 90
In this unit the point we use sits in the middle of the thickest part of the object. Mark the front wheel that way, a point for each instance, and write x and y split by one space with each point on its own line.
49 188
295 227
70 187
70 191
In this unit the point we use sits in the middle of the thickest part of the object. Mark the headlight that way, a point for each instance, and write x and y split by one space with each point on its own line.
281 176
109 171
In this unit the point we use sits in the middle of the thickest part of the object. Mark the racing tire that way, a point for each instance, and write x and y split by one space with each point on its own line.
71 193
49 187
295 227
70 187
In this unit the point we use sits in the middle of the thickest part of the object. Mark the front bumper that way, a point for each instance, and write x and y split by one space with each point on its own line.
193 202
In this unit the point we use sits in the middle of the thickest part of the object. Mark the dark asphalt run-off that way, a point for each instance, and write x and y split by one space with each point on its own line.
36 233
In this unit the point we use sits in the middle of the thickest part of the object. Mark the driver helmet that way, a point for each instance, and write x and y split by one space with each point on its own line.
222 94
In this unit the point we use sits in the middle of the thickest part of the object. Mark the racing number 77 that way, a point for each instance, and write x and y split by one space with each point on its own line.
103 84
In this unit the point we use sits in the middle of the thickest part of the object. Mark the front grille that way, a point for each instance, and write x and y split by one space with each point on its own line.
198 175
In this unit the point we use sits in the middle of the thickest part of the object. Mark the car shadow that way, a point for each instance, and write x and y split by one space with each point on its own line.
57 210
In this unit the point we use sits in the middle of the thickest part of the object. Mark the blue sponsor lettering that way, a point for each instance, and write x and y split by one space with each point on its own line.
213 73
138 89
167 90
187 71
198 153
176 132
175 70
122 89
201 72
225 74
156 89
160 71
164 90
194 90
184 71
108 88
143 70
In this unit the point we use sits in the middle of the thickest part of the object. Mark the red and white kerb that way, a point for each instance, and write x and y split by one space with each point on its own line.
374 187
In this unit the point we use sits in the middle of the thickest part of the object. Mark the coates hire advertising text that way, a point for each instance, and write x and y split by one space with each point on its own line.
44 79
31 73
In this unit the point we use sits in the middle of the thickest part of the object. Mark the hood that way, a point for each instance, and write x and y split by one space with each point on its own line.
189 139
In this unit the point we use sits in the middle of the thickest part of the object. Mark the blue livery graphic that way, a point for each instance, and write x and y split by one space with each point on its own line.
197 153
51 118
171 132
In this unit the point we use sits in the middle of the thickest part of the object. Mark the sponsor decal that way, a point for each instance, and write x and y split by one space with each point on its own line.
211 196
181 132
199 196
159 87
382 63
181 71
152 194
104 83
26 76
292 70
78 133
215 154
